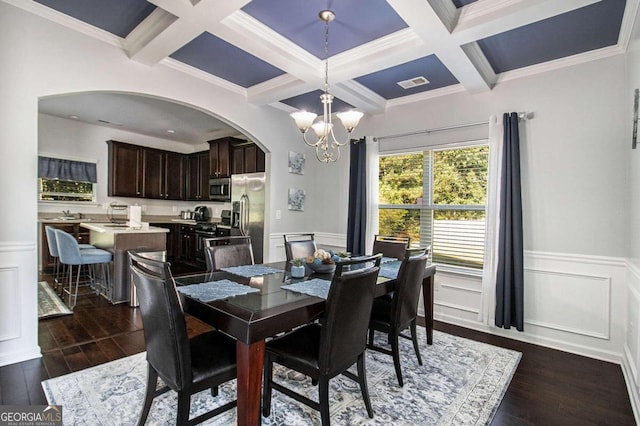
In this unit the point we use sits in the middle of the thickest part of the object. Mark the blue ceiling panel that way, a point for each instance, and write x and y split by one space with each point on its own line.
311 102
355 23
461 3
215 56
118 17
384 82
588 28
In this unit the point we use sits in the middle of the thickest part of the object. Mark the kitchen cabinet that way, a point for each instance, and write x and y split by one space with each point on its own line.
188 241
222 158
141 172
198 176
163 175
80 234
125 170
247 158
173 239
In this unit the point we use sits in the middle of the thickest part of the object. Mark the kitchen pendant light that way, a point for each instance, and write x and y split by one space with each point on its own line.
327 146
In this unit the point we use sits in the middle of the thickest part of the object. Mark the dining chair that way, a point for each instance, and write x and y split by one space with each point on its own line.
299 245
395 314
185 365
53 252
390 246
327 348
71 255
225 252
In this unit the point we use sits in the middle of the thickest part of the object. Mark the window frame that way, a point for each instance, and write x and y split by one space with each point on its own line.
430 206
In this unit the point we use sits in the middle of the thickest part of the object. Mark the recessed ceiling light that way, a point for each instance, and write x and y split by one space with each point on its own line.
73 117
413 82
171 131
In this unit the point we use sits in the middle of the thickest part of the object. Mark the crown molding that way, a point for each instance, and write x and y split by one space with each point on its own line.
67 21
557 64
201 75
423 96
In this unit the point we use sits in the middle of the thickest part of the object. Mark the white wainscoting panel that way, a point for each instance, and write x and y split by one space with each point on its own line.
585 302
631 358
9 294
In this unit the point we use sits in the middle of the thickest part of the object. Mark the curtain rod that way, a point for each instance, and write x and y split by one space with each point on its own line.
521 116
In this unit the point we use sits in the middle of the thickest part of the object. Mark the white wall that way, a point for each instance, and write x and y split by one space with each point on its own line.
41 58
573 156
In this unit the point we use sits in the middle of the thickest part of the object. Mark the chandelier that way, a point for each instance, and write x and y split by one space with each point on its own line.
327 146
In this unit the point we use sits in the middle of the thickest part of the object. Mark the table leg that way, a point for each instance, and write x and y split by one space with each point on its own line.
427 298
250 360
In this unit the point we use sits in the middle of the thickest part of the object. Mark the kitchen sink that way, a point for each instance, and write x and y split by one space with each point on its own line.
116 225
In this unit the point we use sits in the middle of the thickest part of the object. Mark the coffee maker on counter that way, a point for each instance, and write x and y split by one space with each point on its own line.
201 214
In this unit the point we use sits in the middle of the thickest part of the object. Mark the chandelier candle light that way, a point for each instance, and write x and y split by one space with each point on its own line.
327 147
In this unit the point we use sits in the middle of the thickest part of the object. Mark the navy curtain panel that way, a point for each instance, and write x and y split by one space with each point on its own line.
55 168
357 214
510 275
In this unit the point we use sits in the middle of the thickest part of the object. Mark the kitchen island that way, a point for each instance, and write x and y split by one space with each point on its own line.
119 239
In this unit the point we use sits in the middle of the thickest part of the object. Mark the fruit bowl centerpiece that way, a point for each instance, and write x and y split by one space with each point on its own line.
324 262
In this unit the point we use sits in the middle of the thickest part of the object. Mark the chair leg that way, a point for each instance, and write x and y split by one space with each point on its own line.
152 382
414 339
371 335
323 399
393 337
266 393
75 295
215 391
184 406
362 379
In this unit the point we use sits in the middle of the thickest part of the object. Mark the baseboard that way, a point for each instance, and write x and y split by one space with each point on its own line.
20 356
632 390
602 355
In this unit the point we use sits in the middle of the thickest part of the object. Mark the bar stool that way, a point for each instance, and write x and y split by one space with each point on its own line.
71 255
53 252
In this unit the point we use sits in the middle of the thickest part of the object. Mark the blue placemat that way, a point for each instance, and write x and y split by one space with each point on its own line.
216 290
315 287
390 269
249 271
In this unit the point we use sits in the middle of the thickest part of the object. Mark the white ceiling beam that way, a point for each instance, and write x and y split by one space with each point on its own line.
354 93
425 19
152 43
486 18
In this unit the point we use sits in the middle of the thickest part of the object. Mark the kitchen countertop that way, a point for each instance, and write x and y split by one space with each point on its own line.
114 228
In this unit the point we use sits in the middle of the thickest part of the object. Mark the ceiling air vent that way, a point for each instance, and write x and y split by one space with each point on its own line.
413 82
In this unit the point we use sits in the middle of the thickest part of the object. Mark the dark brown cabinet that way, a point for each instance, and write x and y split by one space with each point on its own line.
173 239
220 156
188 243
140 172
198 176
247 158
81 234
163 175
125 170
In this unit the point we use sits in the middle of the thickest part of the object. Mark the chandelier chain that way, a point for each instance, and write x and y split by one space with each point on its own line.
326 56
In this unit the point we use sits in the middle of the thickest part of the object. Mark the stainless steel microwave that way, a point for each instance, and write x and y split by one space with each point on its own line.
220 189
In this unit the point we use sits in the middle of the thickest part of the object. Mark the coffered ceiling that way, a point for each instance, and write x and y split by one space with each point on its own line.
272 51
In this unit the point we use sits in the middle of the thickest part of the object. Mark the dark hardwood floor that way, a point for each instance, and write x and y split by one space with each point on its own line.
550 387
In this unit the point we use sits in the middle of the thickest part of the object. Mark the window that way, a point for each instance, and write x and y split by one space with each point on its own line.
65 180
437 198
64 190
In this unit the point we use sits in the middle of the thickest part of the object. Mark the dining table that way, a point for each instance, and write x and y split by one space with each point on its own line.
265 309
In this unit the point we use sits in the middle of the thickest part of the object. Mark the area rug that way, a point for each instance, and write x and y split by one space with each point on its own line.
49 304
461 383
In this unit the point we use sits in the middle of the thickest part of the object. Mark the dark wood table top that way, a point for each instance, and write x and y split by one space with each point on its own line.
256 316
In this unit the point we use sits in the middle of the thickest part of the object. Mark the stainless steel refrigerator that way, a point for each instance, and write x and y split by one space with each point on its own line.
247 199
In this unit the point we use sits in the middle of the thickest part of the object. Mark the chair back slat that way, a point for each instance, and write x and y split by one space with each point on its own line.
68 248
164 325
390 246
347 313
404 307
299 245
226 256
51 240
